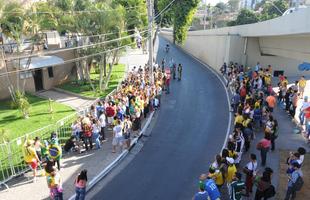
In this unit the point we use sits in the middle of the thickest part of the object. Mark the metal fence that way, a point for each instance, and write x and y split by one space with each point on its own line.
11 153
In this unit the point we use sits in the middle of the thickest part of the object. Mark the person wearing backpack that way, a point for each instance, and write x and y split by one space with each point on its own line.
295 182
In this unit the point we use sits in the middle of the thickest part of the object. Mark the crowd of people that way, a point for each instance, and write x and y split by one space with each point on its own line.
252 103
121 113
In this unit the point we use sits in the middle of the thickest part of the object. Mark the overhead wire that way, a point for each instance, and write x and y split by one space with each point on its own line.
70 60
71 48
69 12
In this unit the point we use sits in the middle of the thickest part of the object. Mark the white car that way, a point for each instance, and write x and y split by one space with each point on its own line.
293 9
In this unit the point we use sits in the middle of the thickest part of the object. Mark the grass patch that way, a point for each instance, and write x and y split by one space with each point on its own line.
304 193
13 122
118 72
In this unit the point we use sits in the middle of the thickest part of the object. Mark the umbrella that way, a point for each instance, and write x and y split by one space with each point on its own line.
304 66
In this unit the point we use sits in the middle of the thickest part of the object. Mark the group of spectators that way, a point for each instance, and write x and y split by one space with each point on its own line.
253 102
121 113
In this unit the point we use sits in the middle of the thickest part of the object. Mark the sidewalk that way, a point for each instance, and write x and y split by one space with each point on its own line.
95 161
66 98
286 141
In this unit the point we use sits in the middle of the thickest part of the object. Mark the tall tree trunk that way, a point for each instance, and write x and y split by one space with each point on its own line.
109 76
105 64
88 76
79 68
101 72
9 81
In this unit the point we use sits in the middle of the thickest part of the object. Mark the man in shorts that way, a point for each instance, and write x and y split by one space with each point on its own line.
117 136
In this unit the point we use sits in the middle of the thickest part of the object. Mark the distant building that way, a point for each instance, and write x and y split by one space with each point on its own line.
249 4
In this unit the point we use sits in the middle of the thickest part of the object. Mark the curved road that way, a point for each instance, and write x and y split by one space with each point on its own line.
190 129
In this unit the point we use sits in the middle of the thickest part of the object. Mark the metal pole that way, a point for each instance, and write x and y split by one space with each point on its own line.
150 37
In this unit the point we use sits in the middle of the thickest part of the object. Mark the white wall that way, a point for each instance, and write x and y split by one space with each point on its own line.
286 40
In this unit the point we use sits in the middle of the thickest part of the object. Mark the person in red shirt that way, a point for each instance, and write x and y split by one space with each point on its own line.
264 146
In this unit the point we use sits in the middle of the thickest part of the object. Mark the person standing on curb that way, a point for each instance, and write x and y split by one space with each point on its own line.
80 185
117 136
231 170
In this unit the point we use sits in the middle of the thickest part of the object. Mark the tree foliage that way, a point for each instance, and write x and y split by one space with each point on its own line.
180 15
273 10
233 5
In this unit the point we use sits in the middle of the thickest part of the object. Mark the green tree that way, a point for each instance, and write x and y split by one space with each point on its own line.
273 9
245 16
180 15
233 5
221 6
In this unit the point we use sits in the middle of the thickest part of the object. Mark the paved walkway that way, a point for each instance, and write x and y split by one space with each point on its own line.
68 99
134 58
287 140
94 161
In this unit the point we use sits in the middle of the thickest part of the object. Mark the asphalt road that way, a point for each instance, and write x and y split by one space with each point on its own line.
190 129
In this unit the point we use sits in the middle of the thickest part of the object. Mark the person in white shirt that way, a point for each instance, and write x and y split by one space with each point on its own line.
102 120
250 171
117 136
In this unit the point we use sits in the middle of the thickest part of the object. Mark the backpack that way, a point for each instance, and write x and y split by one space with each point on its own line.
270 192
298 184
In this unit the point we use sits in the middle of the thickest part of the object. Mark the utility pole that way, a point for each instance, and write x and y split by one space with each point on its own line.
150 37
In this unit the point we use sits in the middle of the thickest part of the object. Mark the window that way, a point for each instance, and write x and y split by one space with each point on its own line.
50 72
25 74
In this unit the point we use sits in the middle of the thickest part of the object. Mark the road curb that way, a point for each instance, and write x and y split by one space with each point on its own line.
119 158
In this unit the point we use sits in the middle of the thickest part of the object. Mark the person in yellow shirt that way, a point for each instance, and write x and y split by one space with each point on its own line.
302 84
239 118
31 157
231 170
217 176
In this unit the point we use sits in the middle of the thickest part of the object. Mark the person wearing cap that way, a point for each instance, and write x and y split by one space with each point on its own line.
231 170
292 179
202 194
237 187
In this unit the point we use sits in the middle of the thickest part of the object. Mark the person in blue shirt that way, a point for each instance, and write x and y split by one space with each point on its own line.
212 189
202 194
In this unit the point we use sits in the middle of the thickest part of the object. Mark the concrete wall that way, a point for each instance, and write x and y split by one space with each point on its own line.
62 73
282 42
